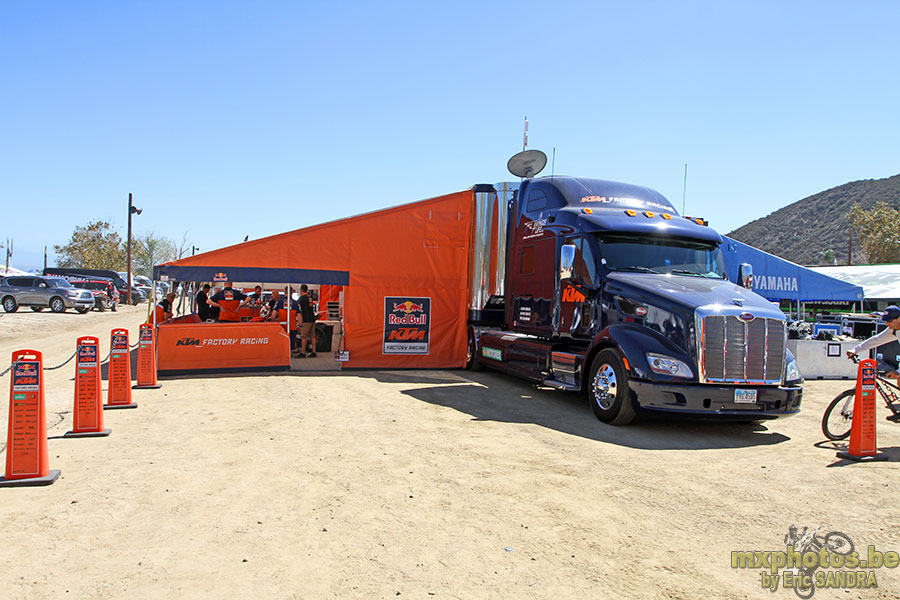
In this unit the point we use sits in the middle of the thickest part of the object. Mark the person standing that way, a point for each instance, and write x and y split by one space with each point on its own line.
229 302
202 306
307 323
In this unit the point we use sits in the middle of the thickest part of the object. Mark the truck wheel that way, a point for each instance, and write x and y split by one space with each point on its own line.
472 362
10 305
607 389
57 305
37 308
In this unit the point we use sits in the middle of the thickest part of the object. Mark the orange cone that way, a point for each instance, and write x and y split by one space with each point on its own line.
146 364
862 427
119 391
88 413
27 462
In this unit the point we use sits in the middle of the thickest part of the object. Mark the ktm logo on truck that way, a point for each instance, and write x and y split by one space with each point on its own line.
407 333
408 307
570 294
188 342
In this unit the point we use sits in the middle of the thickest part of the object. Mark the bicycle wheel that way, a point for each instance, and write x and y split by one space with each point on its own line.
838 416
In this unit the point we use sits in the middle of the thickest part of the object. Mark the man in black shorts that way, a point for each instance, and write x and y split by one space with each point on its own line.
307 324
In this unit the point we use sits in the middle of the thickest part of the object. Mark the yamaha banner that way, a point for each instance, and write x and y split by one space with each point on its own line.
407 325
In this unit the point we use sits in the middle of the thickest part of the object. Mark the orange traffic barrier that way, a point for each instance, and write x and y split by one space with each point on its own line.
862 427
88 414
119 391
146 363
27 462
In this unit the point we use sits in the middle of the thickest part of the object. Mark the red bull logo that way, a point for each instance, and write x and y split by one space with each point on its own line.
220 277
408 307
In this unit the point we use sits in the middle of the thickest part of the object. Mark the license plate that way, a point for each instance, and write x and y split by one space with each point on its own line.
745 396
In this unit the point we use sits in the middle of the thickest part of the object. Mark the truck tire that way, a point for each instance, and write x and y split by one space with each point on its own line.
10 305
472 362
57 304
607 389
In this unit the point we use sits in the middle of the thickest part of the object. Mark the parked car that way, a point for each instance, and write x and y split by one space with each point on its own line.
105 293
136 295
39 293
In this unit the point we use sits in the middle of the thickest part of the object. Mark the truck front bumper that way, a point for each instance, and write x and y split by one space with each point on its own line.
715 401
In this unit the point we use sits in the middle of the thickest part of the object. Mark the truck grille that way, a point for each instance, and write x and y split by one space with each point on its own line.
737 352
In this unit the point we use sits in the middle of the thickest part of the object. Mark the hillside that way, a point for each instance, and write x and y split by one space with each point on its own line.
803 231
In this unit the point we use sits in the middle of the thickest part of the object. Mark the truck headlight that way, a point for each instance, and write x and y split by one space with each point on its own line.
666 365
792 371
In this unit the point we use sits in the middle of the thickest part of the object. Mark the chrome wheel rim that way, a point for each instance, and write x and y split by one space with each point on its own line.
56 305
606 387
8 305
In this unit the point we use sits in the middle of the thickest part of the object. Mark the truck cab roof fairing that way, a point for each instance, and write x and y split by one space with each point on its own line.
601 194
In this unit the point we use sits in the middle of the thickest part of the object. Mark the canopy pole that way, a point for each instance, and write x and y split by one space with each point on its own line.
287 304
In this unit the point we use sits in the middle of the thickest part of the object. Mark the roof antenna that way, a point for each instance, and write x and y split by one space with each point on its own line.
684 190
525 137
553 164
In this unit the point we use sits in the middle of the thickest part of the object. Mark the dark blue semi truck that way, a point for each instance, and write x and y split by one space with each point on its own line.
602 288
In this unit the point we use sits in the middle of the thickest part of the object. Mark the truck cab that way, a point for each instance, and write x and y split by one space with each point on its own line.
608 291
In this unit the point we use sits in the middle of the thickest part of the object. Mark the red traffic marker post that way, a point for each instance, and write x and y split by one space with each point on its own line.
119 391
88 419
27 462
146 364
862 427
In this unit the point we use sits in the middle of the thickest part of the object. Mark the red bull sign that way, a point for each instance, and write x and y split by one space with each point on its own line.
407 325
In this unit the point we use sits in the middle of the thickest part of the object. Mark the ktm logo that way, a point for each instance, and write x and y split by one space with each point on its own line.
188 342
570 294
407 333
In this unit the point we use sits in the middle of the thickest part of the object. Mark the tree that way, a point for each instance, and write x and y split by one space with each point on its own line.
94 246
149 250
877 232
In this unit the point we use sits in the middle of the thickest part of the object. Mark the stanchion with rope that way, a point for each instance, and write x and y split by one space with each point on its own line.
862 427
146 364
27 460
119 381
88 413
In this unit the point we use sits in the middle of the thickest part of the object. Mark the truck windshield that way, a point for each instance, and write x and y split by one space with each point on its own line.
661 255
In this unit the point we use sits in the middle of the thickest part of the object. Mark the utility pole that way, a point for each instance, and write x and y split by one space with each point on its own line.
45 258
131 211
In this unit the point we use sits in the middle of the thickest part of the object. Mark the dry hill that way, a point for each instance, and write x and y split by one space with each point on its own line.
805 230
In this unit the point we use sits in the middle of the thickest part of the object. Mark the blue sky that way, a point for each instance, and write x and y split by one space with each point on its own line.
228 119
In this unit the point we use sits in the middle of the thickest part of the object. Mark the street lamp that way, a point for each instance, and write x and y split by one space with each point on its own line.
132 210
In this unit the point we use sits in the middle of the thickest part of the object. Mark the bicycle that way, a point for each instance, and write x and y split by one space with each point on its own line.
838 417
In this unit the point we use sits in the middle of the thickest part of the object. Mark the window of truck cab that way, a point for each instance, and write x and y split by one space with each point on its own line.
650 254
585 265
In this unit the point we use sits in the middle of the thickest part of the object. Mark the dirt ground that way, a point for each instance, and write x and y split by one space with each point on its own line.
415 484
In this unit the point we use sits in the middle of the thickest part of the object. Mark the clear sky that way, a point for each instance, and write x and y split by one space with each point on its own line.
227 119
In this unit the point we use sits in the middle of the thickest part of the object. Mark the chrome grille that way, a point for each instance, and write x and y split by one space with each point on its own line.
737 351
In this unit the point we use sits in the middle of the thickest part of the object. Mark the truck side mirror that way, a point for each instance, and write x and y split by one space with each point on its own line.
566 261
745 276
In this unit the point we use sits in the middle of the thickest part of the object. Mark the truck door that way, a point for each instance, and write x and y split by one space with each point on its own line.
576 308
530 294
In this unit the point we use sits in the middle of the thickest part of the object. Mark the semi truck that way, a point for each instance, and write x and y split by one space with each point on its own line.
602 288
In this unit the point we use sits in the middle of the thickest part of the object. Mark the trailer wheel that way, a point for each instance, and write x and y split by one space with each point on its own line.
472 362
607 389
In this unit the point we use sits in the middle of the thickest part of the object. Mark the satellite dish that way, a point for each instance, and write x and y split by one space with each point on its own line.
527 164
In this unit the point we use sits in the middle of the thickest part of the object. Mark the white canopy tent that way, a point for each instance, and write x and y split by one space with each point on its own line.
880 283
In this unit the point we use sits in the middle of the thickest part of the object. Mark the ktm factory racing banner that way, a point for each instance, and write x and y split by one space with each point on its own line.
214 347
407 325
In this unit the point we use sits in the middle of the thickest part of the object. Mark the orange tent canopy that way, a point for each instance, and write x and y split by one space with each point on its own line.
417 250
